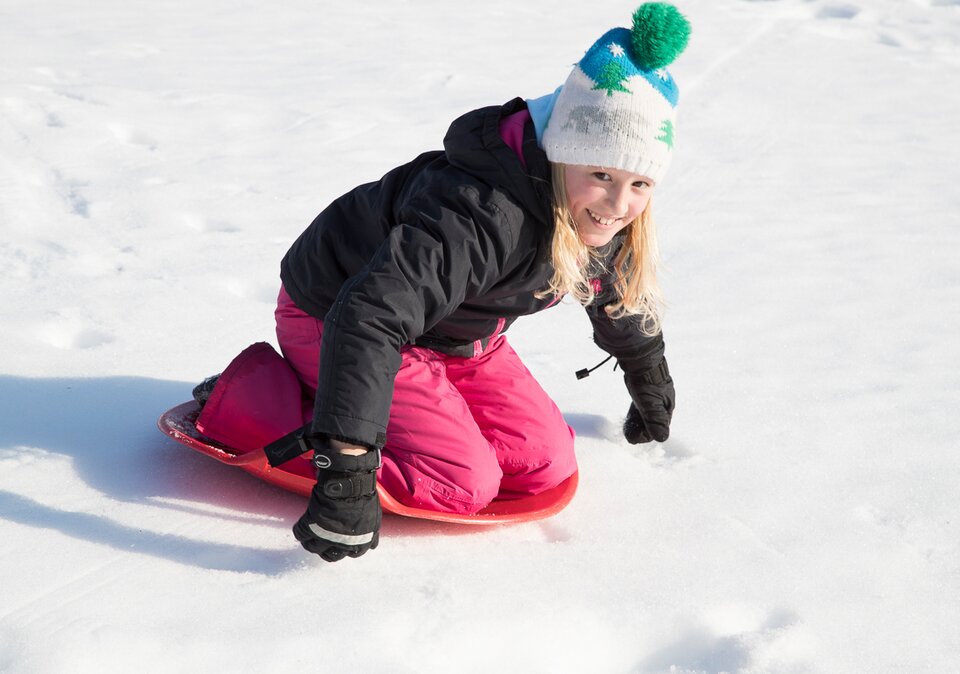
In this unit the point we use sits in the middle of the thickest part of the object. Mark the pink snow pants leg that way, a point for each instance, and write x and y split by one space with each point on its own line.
462 431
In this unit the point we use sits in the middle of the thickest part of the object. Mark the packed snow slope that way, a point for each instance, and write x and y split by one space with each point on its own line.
157 159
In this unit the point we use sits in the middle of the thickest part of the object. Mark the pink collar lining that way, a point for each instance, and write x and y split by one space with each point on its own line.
511 131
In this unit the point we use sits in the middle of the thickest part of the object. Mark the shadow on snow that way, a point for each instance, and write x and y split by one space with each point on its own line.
107 427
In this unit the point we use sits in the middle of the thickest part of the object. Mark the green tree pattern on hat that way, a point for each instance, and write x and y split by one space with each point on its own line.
666 128
611 77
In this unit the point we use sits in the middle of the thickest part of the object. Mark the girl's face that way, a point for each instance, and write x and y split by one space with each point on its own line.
604 200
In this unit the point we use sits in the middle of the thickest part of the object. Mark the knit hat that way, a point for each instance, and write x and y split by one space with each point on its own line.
618 107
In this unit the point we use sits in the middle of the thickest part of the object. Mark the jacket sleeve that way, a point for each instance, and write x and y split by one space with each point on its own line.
623 338
443 251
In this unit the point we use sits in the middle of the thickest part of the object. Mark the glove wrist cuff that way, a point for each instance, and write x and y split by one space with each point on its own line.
655 375
328 459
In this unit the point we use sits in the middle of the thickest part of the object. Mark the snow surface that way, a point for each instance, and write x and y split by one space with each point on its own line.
156 160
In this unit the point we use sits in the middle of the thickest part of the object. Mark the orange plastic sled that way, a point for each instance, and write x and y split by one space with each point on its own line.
296 476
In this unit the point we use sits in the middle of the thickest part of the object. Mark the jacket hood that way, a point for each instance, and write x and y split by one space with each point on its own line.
473 144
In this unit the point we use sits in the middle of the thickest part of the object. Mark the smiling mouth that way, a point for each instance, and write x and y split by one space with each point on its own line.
603 222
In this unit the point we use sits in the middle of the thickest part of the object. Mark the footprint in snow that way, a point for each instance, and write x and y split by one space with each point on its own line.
77 202
889 40
69 335
131 136
71 192
730 640
200 223
838 11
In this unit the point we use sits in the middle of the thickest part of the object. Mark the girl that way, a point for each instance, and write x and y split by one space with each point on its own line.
395 299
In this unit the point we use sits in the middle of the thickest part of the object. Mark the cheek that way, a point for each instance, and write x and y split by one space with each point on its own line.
580 192
640 204
584 196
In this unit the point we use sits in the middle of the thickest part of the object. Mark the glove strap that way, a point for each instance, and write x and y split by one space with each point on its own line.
350 486
290 446
300 441
655 375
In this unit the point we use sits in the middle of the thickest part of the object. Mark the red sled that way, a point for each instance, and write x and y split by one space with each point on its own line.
297 476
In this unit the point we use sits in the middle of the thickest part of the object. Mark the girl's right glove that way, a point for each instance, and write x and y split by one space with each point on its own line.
653 398
343 514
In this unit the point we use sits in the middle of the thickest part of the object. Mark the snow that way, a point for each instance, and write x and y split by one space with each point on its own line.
157 159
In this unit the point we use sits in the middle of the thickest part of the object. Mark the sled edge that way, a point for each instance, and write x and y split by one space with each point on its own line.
178 423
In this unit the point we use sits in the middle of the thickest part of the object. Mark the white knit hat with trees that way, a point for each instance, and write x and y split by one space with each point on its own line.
617 108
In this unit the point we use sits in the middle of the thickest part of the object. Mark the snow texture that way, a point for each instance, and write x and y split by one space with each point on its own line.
157 159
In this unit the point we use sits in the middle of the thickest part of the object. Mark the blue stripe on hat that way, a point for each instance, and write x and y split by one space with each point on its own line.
608 63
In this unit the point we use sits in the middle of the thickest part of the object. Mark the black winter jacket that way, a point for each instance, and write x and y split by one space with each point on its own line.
442 252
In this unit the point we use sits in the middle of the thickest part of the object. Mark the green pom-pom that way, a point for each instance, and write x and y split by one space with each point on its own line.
660 32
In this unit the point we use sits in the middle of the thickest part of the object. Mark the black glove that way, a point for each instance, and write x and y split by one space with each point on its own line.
653 398
343 514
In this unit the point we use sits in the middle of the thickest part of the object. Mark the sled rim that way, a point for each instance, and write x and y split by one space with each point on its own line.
178 423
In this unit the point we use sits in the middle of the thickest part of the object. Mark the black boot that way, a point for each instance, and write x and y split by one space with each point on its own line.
202 391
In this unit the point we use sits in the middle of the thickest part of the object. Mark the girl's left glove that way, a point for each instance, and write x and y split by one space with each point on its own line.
650 412
343 514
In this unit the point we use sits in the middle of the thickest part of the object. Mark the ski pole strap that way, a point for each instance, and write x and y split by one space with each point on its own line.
290 446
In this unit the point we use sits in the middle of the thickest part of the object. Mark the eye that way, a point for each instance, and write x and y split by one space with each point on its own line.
642 184
600 175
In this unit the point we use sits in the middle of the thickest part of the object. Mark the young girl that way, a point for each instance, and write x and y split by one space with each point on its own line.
396 298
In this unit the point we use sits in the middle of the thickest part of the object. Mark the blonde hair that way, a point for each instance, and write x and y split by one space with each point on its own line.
635 266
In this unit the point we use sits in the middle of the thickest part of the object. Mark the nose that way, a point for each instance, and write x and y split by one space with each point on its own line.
618 197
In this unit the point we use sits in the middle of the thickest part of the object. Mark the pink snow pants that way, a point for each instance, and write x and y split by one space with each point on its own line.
462 431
